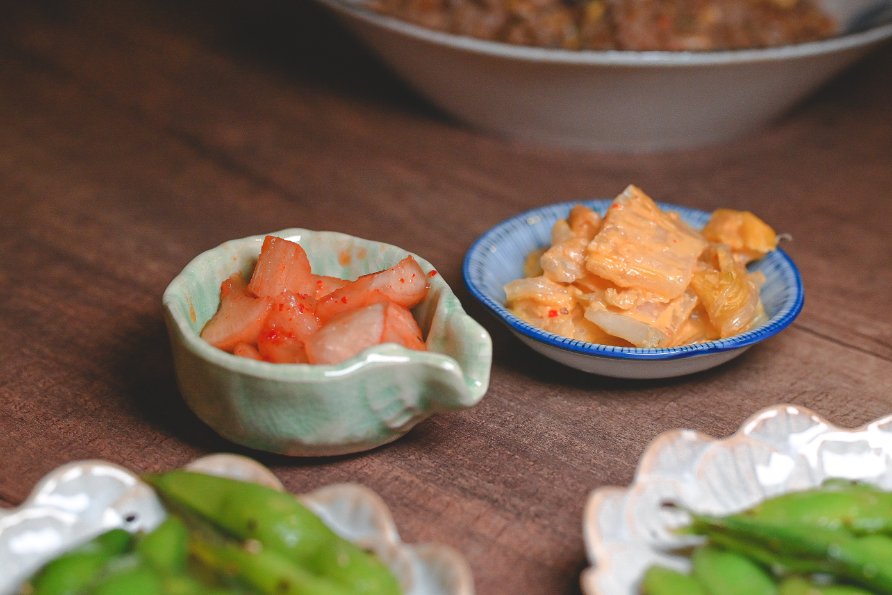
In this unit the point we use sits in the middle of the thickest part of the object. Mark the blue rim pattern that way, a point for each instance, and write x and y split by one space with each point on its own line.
497 257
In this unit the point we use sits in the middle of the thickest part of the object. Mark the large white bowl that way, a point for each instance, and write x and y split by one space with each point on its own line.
781 449
614 100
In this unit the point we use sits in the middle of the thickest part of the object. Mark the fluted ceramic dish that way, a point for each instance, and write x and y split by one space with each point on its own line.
82 499
497 257
315 410
612 100
781 449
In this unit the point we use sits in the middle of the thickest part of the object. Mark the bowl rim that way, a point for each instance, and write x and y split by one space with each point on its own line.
378 354
778 321
625 58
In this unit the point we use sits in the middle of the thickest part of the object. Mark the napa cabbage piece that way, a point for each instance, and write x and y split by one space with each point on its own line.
640 245
640 276
729 294
647 323
745 234
554 307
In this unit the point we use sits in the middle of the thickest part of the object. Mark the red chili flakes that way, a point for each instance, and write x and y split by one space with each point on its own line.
432 274
344 299
552 313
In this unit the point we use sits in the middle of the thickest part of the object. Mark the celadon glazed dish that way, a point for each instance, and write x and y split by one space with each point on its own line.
780 449
85 498
315 410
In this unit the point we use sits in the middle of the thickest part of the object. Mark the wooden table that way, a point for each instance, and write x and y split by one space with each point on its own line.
136 134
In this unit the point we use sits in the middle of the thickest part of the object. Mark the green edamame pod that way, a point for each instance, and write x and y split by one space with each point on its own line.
866 561
266 571
246 510
797 585
723 572
166 548
659 580
131 576
858 507
185 584
279 522
71 572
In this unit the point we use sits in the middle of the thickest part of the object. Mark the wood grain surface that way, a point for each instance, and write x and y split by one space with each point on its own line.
136 134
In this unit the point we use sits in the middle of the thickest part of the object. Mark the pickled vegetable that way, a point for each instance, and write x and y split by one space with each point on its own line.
275 317
642 277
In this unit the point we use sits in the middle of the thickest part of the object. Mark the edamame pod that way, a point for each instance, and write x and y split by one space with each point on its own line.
866 561
659 580
858 507
166 548
131 576
267 571
723 572
797 585
184 584
71 572
279 522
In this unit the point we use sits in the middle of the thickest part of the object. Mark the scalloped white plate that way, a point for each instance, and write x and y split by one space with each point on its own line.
82 499
780 449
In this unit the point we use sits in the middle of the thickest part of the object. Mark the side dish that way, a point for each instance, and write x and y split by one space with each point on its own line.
221 536
287 314
698 25
639 276
830 540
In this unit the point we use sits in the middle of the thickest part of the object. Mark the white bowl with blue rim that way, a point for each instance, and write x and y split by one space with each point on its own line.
497 257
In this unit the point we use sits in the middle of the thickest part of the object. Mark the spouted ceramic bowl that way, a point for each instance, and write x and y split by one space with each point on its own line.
314 410
497 257
83 499
781 449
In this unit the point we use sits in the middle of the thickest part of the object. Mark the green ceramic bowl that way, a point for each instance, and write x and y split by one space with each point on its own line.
313 410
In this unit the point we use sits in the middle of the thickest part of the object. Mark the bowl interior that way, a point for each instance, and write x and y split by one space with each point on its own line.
866 19
497 257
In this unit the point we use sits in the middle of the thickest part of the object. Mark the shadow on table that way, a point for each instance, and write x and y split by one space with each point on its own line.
510 354
148 377
301 40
